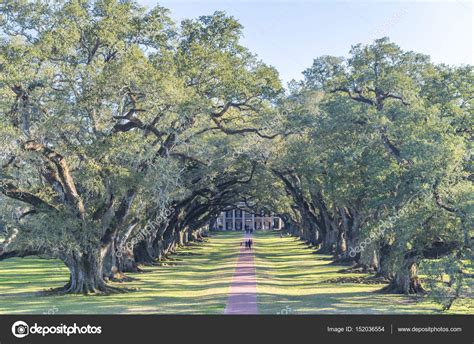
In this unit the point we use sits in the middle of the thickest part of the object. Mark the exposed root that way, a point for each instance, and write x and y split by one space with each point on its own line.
348 263
414 287
187 254
165 264
358 280
87 290
121 278
141 271
353 269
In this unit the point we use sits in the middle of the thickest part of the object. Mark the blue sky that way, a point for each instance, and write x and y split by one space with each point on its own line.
290 34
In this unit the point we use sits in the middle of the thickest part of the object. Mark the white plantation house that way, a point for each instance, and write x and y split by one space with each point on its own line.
241 218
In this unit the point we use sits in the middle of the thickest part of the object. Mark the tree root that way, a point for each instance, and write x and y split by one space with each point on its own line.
354 268
358 280
88 287
87 290
415 288
120 277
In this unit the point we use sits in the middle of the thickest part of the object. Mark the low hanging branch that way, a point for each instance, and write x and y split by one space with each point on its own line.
6 252
437 250
303 206
12 191
67 181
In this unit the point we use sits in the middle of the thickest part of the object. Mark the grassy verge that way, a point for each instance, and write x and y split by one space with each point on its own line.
195 281
291 279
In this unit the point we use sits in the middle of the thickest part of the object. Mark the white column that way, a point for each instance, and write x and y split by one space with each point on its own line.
253 221
233 220
224 224
262 219
243 219
271 220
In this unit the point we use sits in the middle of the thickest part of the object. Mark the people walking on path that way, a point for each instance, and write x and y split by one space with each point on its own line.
248 243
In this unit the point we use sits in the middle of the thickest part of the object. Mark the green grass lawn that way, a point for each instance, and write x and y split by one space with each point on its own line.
196 281
290 279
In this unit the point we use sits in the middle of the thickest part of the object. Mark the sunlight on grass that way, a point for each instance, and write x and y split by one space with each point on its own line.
195 281
291 279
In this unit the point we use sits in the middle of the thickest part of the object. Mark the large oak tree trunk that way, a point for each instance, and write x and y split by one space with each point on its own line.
374 261
406 280
142 253
126 262
341 244
159 248
329 242
119 261
85 274
347 246
181 237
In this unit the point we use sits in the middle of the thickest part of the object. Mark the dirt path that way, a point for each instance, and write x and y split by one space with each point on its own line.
242 297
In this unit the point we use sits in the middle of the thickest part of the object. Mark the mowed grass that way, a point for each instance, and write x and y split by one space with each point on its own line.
195 281
291 279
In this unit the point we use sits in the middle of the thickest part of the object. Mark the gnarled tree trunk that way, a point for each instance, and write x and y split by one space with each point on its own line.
143 253
85 274
406 280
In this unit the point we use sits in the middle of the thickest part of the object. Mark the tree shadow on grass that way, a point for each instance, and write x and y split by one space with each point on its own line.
342 303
